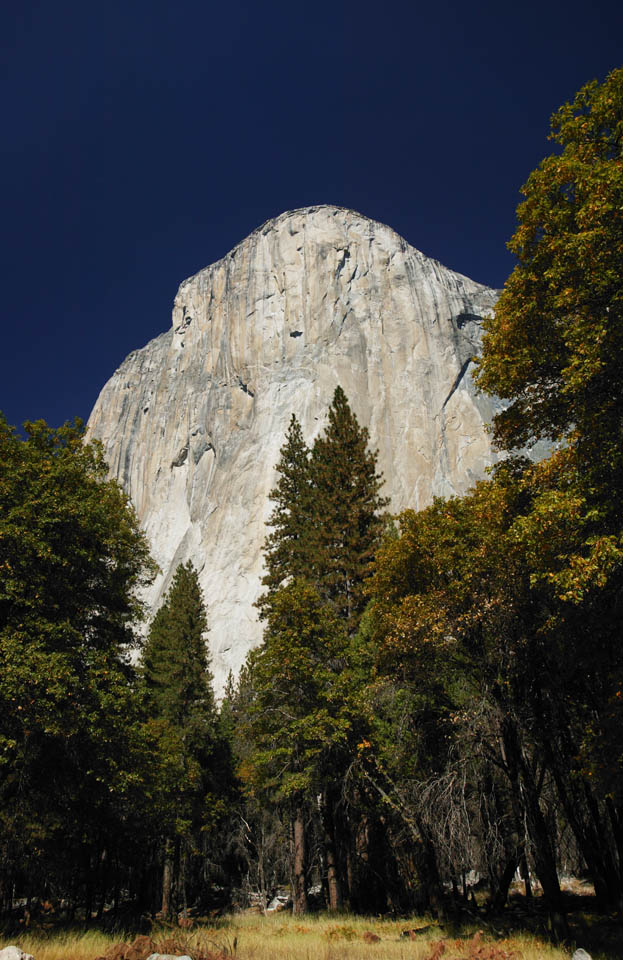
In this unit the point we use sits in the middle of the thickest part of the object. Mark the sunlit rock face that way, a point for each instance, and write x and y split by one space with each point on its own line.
192 424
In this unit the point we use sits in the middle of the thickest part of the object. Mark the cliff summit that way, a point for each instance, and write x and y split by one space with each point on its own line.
192 423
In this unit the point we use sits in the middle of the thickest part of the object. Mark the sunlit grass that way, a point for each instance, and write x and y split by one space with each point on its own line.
322 938
60 945
283 937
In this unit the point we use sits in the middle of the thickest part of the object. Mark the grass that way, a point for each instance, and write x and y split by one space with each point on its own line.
283 937
61 945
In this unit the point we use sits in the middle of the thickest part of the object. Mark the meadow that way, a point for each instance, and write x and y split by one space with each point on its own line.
283 937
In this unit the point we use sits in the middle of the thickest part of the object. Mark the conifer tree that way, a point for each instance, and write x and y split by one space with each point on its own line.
347 522
286 547
175 661
327 518
183 719
298 713
325 528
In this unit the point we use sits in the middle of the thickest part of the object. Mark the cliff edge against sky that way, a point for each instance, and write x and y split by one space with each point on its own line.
192 423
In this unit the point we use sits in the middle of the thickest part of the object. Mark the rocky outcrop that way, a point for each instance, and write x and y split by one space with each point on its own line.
14 953
192 423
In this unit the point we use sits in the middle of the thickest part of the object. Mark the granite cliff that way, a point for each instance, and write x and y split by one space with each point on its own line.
192 423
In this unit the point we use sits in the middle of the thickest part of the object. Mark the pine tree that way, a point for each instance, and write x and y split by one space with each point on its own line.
175 661
327 519
298 714
286 547
347 522
183 719
325 528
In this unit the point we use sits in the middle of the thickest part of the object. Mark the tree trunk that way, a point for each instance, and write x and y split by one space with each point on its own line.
430 873
525 876
261 875
616 822
167 879
579 803
582 814
182 879
103 884
522 777
300 857
333 882
499 894
88 891
334 889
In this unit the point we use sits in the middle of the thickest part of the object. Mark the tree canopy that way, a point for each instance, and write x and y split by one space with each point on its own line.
72 754
553 347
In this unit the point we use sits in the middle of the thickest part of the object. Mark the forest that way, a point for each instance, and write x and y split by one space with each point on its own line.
438 698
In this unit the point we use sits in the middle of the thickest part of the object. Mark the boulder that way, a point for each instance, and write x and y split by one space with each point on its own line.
279 903
167 956
14 953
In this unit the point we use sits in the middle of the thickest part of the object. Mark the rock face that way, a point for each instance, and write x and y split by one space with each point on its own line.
192 424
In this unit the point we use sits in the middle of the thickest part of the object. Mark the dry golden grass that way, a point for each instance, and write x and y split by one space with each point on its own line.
283 937
60 945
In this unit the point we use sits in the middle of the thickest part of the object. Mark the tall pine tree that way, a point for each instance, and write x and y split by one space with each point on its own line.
325 527
287 545
327 519
183 719
347 517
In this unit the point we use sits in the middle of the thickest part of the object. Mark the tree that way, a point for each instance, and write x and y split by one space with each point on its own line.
74 764
469 613
183 719
463 626
257 839
299 713
175 660
319 552
554 350
554 345
347 520
327 517
286 550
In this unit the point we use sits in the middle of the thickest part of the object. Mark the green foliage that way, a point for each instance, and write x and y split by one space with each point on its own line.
286 550
554 349
484 656
195 772
73 758
175 661
299 710
325 527
181 709
347 522
555 344
302 718
327 518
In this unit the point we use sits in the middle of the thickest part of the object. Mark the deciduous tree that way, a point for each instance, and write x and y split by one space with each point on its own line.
74 765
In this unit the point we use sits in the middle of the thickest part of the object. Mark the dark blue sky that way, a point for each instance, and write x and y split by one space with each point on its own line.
142 139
